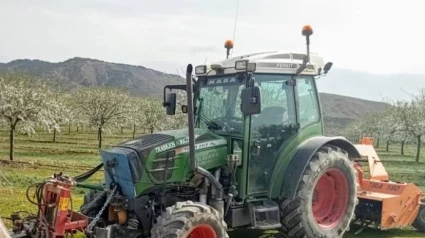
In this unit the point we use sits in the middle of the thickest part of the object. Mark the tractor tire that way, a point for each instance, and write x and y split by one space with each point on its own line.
325 200
90 207
419 222
190 220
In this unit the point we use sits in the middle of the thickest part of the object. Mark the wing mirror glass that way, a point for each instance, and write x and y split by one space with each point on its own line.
171 103
251 101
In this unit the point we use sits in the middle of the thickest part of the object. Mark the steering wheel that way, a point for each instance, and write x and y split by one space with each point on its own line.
228 122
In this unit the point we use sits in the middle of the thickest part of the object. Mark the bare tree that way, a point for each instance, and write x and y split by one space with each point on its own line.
102 105
28 101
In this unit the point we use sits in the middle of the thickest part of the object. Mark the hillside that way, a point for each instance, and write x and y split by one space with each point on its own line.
338 110
86 72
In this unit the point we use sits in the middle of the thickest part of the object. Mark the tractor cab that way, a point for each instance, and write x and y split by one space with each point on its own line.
262 103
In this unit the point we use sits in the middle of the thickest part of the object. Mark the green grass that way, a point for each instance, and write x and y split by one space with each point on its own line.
37 158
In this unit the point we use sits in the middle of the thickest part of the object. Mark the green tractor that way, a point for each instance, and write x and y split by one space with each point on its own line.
253 157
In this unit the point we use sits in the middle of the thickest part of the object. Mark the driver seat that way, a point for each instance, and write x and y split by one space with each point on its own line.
270 116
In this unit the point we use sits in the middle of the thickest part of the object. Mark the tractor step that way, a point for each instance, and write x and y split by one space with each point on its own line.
264 215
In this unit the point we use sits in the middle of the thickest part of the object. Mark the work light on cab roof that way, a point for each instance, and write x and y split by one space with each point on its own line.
269 62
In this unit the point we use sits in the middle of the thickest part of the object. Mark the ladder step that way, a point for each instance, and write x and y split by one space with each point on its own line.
265 215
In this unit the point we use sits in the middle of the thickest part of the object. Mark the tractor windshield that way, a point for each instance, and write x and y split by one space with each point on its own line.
219 97
218 104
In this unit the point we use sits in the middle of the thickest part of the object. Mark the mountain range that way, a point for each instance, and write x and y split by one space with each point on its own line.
338 110
86 72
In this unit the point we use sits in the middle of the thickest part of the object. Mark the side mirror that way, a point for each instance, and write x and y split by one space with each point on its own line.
171 103
251 101
327 67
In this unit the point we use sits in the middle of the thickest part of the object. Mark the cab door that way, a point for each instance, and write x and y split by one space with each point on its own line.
270 129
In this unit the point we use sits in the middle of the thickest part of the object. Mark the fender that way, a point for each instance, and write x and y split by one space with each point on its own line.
304 153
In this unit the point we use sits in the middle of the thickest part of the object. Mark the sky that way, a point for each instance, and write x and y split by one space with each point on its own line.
382 37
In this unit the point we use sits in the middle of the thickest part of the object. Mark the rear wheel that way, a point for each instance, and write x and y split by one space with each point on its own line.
190 220
326 197
419 222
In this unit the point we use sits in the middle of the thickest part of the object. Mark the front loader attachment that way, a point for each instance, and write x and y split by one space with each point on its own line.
386 203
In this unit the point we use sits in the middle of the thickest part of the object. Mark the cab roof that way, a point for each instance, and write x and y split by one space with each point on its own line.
279 62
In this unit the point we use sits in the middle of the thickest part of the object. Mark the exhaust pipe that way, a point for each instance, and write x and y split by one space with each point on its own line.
191 117
192 158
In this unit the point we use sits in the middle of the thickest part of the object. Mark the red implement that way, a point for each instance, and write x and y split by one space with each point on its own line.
56 217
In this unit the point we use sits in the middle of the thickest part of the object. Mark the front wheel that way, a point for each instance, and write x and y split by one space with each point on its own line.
326 197
190 220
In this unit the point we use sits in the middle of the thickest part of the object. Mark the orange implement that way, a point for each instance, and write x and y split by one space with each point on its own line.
389 204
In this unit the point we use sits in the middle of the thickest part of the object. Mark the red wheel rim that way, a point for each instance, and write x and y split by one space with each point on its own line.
330 199
202 231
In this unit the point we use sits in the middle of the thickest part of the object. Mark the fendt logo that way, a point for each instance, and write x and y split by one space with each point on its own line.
286 65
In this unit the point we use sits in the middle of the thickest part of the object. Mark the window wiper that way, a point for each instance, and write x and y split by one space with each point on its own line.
210 124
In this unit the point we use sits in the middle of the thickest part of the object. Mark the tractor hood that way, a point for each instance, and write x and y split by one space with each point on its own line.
177 140
160 157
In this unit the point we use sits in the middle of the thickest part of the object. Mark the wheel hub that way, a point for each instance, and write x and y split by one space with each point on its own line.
202 231
330 199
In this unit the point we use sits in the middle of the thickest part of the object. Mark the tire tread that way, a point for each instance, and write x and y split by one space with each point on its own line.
292 210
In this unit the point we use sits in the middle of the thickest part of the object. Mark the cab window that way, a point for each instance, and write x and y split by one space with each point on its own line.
308 105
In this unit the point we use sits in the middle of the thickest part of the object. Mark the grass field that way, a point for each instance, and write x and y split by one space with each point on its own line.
37 157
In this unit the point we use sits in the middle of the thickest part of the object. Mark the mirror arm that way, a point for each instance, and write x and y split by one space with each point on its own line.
164 102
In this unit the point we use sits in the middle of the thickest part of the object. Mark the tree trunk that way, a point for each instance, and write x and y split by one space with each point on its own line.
134 130
377 142
418 151
69 128
151 130
12 144
100 137
77 128
54 135
388 145
402 146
